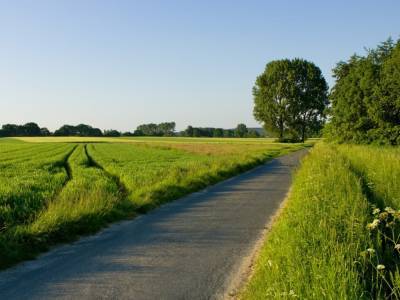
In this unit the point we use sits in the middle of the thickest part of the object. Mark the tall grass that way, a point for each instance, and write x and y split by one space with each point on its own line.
312 250
331 240
380 168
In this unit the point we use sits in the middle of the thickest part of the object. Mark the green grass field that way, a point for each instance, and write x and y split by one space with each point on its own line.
54 189
338 237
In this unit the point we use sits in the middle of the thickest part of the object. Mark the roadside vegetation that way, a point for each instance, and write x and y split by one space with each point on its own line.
338 236
52 192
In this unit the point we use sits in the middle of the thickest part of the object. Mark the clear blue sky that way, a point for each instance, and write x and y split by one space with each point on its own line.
117 64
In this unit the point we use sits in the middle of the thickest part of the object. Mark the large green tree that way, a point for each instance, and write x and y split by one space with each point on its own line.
290 98
365 100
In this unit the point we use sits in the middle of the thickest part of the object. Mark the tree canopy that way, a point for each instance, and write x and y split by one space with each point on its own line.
32 129
290 98
151 129
112 133
79 130
28 129
240 131
365 100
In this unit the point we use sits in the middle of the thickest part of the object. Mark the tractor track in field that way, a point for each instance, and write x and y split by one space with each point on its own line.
65 165
93 163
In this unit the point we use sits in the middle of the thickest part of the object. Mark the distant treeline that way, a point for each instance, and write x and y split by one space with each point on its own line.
240 131
151 129
29 129
33 129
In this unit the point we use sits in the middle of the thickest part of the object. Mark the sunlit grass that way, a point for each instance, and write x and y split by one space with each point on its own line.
311 250
102 182
380 168
316 249
154 174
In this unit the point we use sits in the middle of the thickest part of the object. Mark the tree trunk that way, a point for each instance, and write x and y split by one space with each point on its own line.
303 130
281 129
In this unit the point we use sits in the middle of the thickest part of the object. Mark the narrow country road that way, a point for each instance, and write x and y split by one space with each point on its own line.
187 249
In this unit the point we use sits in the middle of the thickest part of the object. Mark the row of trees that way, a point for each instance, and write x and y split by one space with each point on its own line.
240 131
366 97
290 99
33 129
162 129
28 129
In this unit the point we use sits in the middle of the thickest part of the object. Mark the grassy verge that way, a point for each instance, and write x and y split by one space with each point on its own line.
311 249
325 244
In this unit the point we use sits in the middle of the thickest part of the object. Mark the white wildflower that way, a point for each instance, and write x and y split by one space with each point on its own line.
380 267
374 224
390 210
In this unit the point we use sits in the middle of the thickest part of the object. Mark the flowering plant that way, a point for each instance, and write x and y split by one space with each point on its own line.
380 262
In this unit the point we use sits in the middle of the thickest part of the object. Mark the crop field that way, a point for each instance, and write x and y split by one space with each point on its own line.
338 236
54 189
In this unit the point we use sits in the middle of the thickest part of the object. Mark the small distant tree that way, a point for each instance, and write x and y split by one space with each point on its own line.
10 129
138 132
253 133
189 131
229 133
44 131
30 129
66 130
167 128
241 130
196 132
218 132
128 133
112 133
150 129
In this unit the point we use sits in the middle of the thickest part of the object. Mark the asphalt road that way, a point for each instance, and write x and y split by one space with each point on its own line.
187 249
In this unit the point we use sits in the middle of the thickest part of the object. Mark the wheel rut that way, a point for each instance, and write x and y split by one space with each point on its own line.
94 164
67 166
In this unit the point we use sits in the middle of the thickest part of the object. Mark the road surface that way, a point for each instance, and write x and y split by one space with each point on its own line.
188 249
